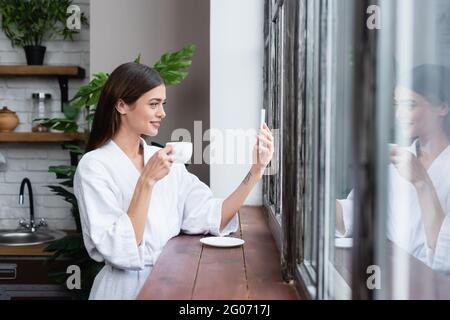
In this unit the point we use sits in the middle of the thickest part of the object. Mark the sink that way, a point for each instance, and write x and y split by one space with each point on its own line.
28 238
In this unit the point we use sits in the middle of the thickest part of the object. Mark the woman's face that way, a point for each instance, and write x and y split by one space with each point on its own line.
416 116
146 114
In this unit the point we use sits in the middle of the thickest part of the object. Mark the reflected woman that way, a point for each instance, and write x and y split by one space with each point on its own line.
419 187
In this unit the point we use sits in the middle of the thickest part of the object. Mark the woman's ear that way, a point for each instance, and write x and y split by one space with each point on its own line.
444 109
121 107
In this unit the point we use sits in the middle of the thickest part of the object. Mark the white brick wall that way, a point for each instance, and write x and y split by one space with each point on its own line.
32 160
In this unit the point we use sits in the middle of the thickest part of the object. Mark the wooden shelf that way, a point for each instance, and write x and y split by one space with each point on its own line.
44 70
63 73
41 137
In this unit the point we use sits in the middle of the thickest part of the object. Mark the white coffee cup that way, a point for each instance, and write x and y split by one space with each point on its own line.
182 151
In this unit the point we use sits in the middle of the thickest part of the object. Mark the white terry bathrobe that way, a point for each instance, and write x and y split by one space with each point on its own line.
404 221
104 183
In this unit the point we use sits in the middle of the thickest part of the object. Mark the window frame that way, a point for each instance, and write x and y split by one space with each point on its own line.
273 79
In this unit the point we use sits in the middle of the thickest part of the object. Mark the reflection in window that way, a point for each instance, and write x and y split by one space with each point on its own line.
416 231
406 144
339 146
417 223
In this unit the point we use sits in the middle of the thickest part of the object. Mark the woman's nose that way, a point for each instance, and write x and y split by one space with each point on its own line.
401 113
161 112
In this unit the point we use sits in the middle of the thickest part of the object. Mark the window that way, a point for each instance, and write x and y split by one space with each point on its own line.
338 148
360 195
310 199
414 84
274 103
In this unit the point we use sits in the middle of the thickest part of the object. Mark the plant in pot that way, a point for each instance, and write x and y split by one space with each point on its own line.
173 68
27 23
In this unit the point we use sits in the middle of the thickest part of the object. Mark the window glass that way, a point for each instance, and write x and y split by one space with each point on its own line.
415 244
312 136
338 239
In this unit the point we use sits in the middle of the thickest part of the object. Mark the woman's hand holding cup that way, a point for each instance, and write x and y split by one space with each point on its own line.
158 166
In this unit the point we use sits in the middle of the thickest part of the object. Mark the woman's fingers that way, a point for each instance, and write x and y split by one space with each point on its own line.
168 149
166 156
264 141
266 132
262 149
394 160
263 144
266 127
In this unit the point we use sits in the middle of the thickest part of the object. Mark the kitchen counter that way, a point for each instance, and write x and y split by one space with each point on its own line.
35 250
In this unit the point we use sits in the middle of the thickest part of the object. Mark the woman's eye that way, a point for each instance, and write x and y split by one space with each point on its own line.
405 105
154 105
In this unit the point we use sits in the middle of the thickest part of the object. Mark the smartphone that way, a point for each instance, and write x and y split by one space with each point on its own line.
263 117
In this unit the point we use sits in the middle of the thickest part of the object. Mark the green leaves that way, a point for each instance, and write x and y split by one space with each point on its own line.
63 124
73 148
89 94
138 59
65 172
70 245
33 21
173 67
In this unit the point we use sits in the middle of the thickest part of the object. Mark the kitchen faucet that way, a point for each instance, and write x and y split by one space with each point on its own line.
31 225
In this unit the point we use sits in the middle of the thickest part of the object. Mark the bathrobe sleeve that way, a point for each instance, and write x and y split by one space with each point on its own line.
201 212
347 214
107 230
439 258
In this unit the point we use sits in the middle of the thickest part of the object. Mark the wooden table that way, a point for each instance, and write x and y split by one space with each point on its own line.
188 270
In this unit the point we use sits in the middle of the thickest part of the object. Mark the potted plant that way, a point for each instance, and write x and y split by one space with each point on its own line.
27 23
173 68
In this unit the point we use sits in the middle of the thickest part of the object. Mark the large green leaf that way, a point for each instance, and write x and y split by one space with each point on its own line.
89 94
73 148
173 67
62 192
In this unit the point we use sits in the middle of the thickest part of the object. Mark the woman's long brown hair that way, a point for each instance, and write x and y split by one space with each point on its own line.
128 82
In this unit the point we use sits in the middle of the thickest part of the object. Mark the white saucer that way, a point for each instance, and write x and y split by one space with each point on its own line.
223 242
343 242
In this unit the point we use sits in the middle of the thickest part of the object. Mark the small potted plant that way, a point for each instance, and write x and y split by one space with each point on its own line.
27 23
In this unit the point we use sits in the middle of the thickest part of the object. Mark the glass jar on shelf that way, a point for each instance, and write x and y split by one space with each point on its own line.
41 110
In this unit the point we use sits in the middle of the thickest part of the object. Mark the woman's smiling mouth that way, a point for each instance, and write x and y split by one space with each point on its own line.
156 124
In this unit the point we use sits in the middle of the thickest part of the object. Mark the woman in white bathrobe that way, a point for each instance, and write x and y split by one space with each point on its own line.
419 183
132 198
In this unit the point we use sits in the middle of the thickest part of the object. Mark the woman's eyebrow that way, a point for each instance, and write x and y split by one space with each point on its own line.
157 99
405 100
